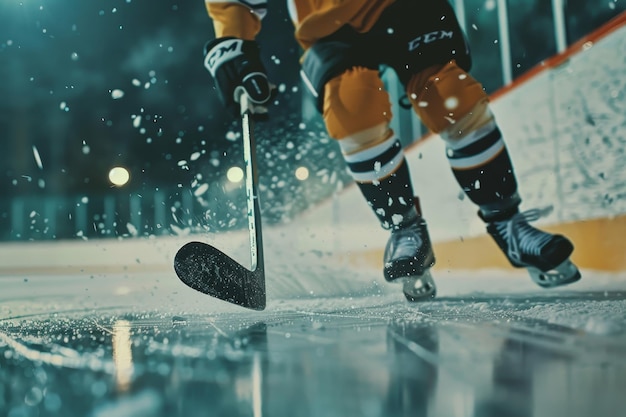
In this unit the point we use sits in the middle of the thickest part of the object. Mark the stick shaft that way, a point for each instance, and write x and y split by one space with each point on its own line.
252 198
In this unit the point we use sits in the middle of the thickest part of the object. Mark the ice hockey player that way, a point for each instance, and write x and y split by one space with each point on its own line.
345 44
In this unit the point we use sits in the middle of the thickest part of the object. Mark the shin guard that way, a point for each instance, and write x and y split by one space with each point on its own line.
383 177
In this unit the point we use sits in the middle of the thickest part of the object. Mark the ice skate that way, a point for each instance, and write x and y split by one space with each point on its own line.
544 255
408 259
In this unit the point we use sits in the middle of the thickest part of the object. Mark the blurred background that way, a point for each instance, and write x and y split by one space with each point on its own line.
109 126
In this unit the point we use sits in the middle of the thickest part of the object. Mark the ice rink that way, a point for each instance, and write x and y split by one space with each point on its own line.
333 341
104 328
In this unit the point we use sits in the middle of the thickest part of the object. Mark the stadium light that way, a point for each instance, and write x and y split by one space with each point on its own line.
119 176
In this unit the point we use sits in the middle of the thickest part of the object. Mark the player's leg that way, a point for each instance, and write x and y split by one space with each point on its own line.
341 72
453 104
357 113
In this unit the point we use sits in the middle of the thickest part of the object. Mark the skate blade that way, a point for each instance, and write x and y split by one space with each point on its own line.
419 288
563 274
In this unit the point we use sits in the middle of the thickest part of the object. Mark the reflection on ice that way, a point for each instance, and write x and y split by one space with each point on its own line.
122 354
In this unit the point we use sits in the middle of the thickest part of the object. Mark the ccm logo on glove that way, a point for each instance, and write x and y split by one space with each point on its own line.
222 52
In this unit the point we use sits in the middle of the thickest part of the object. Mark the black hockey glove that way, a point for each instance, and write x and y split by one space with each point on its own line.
236 68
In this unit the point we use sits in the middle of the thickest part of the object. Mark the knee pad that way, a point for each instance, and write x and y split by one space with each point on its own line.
355 101
479 118
443 95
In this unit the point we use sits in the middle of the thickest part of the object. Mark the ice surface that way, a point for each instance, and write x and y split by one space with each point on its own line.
334 340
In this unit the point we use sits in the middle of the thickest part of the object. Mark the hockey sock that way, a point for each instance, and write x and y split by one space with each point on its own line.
383 177
482 167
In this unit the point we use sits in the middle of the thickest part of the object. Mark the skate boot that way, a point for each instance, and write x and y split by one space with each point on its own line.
544 255
408 259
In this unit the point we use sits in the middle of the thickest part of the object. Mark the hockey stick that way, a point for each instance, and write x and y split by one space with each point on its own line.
209 270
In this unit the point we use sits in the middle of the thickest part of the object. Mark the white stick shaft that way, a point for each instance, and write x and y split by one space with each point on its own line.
252 199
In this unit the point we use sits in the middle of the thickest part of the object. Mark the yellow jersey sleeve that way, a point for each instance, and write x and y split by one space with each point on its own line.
241 19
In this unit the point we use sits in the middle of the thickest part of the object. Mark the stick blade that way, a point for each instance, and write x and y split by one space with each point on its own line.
210 271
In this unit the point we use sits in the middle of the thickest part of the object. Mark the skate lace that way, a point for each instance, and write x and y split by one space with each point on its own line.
522 237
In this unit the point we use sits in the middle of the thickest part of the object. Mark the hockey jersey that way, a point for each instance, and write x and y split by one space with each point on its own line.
313 19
